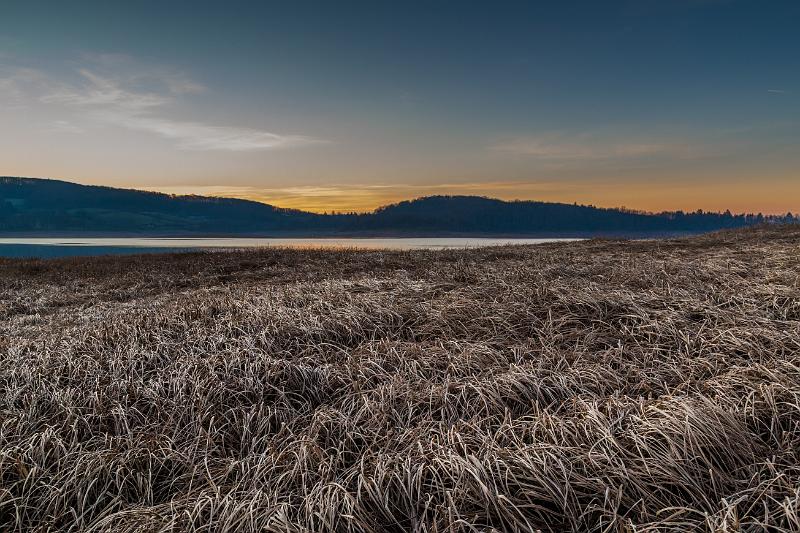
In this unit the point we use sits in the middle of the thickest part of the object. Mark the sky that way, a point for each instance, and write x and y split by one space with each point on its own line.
647 104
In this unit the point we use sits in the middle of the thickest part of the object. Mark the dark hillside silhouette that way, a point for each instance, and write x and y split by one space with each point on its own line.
30 205
484 215
51 205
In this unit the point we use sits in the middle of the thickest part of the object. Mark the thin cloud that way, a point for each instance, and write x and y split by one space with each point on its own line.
777 91
65 126
104 92
179 84
16 82
138 99
132 72
560 147
199 136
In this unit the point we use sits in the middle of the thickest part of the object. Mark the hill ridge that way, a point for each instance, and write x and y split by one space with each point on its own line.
42 205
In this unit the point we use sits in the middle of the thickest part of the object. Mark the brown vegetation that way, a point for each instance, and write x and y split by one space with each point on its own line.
600 385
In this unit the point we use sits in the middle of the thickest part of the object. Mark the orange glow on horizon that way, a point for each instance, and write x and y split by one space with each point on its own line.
739 197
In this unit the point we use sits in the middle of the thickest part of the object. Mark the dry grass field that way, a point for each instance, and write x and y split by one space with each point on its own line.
592 386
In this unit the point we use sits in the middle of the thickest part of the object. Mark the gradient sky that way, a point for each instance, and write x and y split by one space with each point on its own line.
649 104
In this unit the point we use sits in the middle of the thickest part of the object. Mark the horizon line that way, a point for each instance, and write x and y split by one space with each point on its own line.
333 211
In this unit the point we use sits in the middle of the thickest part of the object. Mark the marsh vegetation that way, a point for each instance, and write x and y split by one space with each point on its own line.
588 386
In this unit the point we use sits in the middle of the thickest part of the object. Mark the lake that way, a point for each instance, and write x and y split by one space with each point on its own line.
65 246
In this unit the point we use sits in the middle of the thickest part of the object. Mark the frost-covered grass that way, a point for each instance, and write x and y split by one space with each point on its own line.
601 386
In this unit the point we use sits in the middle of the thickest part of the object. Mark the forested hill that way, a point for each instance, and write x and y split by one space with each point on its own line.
474 214
42 206
28 204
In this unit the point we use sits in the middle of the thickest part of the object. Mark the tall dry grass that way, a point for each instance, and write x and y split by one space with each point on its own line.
594 386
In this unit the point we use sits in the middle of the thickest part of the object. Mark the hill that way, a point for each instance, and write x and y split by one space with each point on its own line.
473 214
39 205
42 206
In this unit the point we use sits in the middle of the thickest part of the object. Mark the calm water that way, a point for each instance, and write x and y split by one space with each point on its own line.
61 247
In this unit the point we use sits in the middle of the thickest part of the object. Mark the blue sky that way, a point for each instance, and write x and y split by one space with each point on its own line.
652 104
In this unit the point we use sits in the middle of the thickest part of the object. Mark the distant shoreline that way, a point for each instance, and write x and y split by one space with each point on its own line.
53 247
351 235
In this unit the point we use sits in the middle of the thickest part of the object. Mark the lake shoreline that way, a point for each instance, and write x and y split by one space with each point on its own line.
349 235
65 247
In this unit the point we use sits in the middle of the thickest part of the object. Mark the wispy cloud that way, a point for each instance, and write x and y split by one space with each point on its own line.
200 136
103 92
132 72
17 82
777 91
114 90
65 126
585 147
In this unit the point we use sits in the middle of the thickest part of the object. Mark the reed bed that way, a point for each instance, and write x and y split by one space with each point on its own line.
592 386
